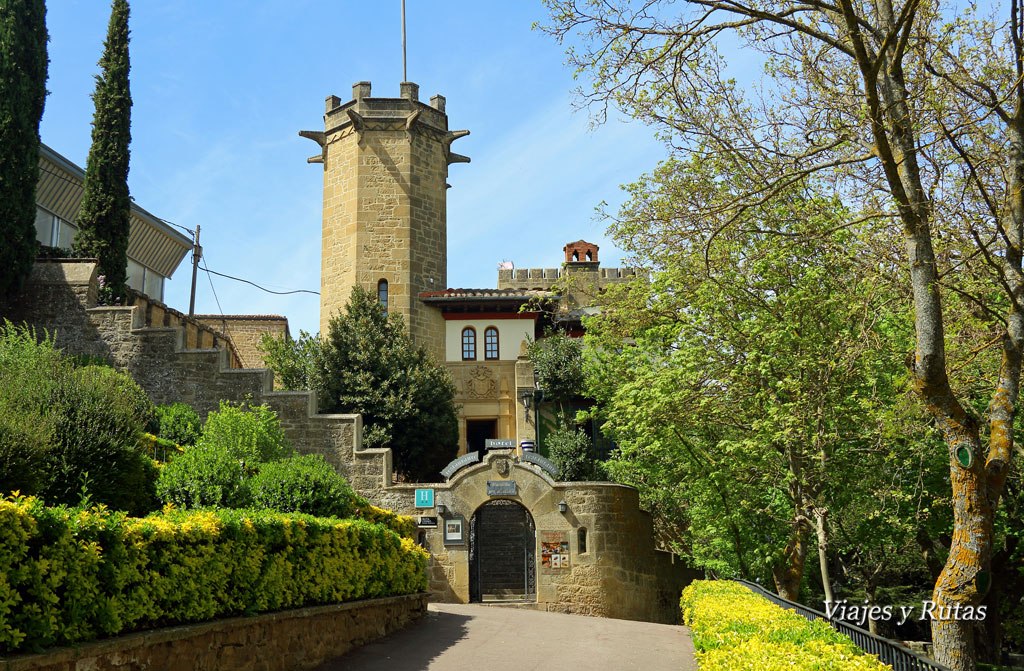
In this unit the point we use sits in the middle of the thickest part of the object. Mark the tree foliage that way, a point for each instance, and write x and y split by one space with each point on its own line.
557 362
105 214
369 364
23 65
911 112
291 360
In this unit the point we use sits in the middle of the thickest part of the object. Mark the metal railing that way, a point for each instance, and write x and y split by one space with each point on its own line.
888 652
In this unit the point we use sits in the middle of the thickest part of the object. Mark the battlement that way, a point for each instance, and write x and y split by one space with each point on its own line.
545 278
338 115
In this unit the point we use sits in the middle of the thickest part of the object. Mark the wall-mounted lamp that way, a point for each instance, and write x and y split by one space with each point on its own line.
526 397
441 509
562 506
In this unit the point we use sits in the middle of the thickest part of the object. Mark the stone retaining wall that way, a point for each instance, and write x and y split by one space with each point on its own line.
284 641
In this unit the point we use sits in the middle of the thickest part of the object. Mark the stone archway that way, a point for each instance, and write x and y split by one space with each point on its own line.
502 553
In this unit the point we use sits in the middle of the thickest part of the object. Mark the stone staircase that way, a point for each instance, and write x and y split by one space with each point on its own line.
175 358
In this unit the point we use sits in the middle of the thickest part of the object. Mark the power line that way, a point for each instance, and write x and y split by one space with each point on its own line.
202 259
269 291
171 223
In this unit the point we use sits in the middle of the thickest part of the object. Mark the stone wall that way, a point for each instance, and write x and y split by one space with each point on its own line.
245 332
284 641
60 298
620 574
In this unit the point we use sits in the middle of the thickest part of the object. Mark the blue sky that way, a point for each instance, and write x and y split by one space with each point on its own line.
221 90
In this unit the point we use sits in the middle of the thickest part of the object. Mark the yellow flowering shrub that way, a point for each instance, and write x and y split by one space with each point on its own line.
403 525
70 575
734 629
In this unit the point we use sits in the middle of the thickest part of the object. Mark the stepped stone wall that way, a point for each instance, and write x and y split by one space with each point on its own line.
184 362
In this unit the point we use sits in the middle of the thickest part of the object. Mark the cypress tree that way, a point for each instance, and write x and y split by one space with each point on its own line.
22 96
103 219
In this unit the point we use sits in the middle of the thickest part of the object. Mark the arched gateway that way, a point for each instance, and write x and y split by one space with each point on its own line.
502 528
502 553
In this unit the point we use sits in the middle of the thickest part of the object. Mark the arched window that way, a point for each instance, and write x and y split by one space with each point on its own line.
382 294
590 255
582 538
468 344
575 256
491 343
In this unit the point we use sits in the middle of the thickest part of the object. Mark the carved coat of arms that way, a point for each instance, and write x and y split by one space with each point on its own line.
480 383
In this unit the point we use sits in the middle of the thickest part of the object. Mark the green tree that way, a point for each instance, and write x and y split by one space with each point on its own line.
291 360
368 364
105 214
558 365
911 111
744 374
22 97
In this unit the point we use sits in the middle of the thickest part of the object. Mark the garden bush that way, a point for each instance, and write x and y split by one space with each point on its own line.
236 441
70 575
204 475
249 433
63 426
302 484
735 629
98 416
176 422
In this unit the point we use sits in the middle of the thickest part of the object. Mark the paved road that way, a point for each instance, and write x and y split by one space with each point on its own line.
460 636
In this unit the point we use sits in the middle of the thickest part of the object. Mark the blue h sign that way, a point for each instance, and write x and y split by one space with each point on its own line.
424 498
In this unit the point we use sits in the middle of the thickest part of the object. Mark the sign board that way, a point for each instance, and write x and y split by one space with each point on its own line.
456 464
424 498
502 488
554 551
500 443
455 530
427 522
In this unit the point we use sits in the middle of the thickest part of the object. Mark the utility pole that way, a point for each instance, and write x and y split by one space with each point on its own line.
197 253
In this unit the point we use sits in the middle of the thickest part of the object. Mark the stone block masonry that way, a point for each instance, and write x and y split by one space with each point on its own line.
284 641
384 204
246 332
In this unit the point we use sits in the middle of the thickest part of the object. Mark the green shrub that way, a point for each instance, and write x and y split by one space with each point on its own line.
570 449
302 484
71 575
251 434
735 629
24 443
63 426
236 441
177 422
204 475
98 415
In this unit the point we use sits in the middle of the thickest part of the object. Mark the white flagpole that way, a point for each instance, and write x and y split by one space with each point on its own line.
405 74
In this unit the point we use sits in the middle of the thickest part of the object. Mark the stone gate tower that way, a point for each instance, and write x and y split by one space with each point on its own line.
384 217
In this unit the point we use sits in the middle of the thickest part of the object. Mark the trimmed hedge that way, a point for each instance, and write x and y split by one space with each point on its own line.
70 575
735 629
403 525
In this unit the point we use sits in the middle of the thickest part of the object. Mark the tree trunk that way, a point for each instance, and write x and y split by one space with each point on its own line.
789 571
967 574
819 527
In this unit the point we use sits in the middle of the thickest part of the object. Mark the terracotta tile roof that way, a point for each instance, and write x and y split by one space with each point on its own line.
487 294
265 317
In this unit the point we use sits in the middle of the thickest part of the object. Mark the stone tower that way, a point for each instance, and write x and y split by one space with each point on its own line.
384 218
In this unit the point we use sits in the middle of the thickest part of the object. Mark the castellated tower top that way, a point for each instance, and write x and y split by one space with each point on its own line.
384 203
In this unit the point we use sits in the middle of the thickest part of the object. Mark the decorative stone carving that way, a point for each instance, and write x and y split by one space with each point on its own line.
480 383
502 466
